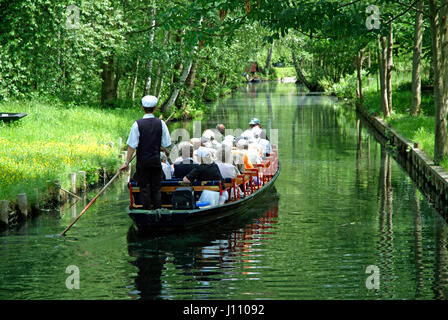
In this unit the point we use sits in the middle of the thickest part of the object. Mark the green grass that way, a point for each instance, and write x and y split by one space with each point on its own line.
56 139
284 72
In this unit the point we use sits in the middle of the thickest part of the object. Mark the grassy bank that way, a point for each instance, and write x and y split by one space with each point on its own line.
284 72
417 129
56 139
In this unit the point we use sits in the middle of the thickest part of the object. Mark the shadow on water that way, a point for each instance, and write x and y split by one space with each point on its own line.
204 256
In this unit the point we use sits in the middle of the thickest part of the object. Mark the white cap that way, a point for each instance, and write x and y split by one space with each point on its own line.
149 101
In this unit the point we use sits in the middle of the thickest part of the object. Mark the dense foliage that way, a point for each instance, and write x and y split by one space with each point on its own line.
115 51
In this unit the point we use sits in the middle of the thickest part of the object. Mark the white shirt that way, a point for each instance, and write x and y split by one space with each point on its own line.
227 170
265 145
134 135
254 156
166 170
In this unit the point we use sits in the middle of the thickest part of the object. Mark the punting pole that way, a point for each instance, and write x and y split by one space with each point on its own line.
91 202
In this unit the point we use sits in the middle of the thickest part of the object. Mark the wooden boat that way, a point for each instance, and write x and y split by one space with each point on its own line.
8 117
243 191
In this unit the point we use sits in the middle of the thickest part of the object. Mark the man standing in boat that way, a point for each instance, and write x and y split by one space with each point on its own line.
147 136
255 123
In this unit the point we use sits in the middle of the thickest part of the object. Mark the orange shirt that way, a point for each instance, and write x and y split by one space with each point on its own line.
247 163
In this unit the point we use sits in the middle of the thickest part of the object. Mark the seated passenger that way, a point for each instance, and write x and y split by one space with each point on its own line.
264 144
166 168
256 124
208 139
229 141
206 171
254 153
246 135
196 142
242 160
204 142
221 129
185 163
225 163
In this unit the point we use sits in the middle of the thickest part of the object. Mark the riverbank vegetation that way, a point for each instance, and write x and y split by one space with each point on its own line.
79 71
335 45
103 56
57 139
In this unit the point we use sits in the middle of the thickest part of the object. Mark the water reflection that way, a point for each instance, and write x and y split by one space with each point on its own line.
345 204
418 250
441 271
219 253
385 239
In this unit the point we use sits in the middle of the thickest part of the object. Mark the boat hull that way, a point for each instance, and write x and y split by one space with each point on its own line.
9 117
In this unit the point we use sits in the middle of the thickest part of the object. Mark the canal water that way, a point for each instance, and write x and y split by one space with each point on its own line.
342 208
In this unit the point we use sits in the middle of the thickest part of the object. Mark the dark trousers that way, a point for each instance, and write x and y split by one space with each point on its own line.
148 175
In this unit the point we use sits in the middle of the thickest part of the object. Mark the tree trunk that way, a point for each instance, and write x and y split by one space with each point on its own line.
439 37
117 78
390 67
300 77
135 78
382 65
359 61
269 57
108 88
151 40
416 62
189 83
176 89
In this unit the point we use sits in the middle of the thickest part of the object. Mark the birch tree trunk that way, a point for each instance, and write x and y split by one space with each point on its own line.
416 62
135 78
177 87
359 61
390 67
382 43
151 40
189 83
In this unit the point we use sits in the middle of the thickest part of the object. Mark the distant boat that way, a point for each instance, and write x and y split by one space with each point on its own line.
243 191
8 117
